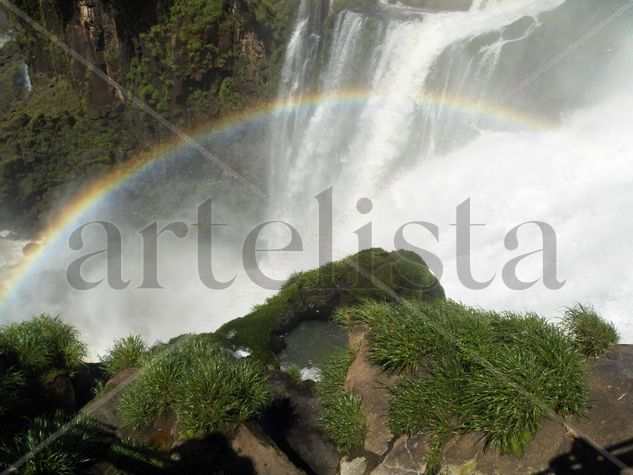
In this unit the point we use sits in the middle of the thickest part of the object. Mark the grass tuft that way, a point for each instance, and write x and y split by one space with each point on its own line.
12 384
469 370
81 444
343 418
43 343
294 372
125 353
593 334
203 386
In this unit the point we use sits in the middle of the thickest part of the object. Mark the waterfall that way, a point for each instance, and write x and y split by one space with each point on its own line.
26 78
403 98
522 107
296 78
399 63
4 34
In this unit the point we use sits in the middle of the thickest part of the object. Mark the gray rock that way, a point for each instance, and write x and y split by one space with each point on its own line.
356 466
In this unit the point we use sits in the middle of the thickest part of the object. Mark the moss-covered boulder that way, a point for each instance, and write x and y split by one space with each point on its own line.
314 295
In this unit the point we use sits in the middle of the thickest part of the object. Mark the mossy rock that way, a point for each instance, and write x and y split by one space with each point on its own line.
314 295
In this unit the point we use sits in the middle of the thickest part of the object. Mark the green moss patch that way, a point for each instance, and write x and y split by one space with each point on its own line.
371 274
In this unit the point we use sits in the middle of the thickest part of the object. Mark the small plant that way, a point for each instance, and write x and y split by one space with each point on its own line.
343 418
593 334
203 386
11 384
218 391
294 372
344 421
43 343
125 353
78 445
131 456
472 371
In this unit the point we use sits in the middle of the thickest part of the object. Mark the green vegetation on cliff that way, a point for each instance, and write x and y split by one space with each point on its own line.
370 274
194 61
125 353
342 419
204 387
468 370
453 370
50 138
593 335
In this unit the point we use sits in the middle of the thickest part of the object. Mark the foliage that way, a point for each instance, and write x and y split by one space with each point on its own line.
50 139
125 353
272 16
131 456
12 384
77 444
218 391
190 65
473 371
370 274
230 99
343 419
191 55
294 372
43 343
203 386
593 334
34 355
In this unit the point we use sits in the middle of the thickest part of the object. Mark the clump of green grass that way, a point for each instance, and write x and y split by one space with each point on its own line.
593 334
294 372
32 354
42 343
132 456
81 444
203 386
11 385
125 353
344 421
343 418
469 370
218 391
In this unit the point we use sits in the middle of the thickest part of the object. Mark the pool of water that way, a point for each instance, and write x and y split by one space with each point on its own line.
310 344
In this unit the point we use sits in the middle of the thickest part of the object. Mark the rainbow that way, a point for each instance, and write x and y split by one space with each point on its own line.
97 192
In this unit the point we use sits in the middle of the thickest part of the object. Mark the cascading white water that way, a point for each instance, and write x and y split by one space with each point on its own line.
405 86
400 67
393 102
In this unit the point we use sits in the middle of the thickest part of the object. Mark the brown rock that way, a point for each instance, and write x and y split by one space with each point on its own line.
292 422
104 407
368 381
610 420
468 452
266 457
356 466
405 458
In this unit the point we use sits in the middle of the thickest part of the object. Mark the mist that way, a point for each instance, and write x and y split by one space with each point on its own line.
417 160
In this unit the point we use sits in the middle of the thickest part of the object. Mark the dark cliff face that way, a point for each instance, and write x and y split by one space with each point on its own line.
187 44
101 31
194 61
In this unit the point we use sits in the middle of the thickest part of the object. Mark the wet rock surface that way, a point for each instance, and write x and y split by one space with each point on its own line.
292 423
